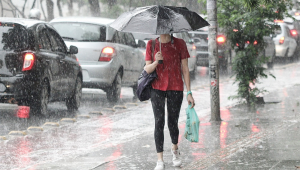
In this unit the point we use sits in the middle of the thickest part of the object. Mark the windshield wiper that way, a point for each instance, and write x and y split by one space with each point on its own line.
69 38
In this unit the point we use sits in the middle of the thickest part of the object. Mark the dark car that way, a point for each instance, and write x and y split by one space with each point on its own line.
36 67
200 38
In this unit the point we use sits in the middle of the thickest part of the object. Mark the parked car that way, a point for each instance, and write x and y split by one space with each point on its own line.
285 44
142 40
109 59
294 26
36 67
200 38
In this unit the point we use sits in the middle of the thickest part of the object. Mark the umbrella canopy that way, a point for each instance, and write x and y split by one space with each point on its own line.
158 20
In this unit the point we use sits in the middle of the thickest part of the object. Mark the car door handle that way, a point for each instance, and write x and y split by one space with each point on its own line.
133 53
122 50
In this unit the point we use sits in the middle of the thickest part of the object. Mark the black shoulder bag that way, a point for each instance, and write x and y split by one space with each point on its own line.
144 88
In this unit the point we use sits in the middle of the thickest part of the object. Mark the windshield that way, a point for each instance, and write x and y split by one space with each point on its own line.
81 31
13 37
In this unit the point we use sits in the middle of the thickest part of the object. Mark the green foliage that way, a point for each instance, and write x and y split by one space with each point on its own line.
249 21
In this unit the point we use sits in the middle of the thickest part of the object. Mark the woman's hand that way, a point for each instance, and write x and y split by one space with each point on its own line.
158 56
190 100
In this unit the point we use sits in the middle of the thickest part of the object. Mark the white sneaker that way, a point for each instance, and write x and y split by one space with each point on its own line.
160 165
176 159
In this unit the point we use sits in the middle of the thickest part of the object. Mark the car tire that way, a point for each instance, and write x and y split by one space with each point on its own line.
193 73
39 105
271 64
73 103
113 92
134 89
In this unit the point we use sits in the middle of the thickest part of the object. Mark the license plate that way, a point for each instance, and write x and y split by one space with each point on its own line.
2 87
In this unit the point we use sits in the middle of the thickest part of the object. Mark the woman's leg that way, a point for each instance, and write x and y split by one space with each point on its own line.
158 105
174 101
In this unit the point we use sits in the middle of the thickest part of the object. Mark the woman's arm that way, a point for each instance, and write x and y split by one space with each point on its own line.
150 66
186 77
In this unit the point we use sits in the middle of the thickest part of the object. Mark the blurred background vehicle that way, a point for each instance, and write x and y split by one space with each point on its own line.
285 43
109 59
142 40
200 38
36 67
294 26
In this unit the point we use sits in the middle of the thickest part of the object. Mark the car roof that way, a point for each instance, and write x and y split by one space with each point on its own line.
22 21
90 20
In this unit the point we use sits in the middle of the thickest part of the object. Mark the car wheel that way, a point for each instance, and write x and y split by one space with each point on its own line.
134 89
193 73
39 105
271 64
113 93
73 103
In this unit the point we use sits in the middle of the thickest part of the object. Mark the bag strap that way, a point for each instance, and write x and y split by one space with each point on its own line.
153 46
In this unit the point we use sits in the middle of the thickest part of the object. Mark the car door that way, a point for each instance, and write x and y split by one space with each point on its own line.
51 59
135 59
126 51
291 41
60 50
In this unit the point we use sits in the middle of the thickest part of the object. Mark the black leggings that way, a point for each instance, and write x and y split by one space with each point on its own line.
174 101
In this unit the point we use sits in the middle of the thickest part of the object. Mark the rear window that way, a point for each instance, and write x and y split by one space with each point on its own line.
81 31
13 37
277 31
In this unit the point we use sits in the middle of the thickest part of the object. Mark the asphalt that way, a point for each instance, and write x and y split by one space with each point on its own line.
265 137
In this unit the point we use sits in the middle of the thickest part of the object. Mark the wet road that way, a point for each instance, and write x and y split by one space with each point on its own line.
111 130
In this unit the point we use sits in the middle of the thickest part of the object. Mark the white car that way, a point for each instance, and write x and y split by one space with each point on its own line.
142 39
285 44
109 59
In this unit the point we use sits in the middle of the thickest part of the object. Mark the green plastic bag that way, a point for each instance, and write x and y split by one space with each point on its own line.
191 132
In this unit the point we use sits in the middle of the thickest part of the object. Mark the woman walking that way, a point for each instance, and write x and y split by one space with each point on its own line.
168 85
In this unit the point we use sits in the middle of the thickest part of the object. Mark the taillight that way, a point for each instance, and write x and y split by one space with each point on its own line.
221 39
107 54
278 21
28 61
281 40
254 43
194 47
77 61
235 30
297 13
294 33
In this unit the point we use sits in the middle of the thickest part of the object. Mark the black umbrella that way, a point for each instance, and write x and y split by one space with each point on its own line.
158 20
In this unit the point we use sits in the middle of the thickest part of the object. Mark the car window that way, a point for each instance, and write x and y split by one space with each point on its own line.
43 39
81 31
57 43
277 30
130 40
122 38
13 37
116 38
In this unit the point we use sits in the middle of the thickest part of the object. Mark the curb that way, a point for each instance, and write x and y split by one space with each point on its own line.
119 107
67 120
17 133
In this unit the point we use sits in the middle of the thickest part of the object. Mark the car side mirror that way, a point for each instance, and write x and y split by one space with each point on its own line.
73 49
141 44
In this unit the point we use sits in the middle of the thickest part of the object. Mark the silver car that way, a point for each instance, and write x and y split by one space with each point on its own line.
109 59
285 44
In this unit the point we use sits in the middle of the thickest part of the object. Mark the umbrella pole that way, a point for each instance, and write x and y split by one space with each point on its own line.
159 45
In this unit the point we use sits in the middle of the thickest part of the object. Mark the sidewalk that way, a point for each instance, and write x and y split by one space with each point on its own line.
267 138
